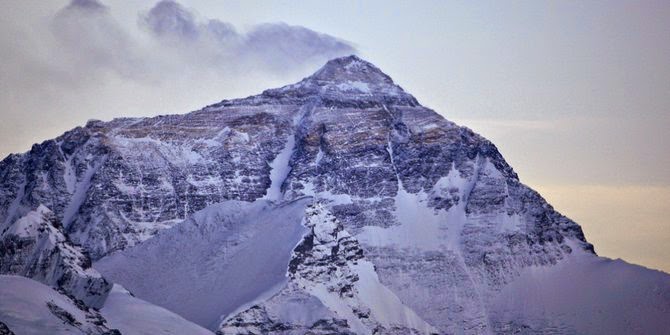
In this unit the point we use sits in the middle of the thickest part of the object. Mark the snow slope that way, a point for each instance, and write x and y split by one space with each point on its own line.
133 316
223 257
585 294
24 308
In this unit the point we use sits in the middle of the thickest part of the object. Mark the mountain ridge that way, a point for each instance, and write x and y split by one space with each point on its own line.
404 203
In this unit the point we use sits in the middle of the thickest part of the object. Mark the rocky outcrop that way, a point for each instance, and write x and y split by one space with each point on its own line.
338 289
34 246
4 330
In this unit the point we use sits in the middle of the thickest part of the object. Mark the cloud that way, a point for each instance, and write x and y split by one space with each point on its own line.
90 41
169 18
91 5
64 65
274 47
293 44
175 44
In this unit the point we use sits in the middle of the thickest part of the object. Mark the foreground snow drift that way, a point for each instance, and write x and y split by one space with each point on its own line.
28 307
133 316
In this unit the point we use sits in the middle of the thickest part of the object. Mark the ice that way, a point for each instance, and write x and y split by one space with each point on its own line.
461 244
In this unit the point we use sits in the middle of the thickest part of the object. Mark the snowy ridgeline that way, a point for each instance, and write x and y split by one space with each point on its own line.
29 307
336 205
294 269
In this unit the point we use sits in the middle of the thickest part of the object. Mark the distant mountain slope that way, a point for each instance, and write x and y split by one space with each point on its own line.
421 226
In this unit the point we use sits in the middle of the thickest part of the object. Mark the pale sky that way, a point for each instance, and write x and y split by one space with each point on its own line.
574 94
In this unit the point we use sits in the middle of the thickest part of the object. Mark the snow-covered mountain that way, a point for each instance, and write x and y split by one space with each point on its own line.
336 205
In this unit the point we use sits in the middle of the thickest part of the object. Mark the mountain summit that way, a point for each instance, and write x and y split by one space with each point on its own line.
351 68
346 80
335 205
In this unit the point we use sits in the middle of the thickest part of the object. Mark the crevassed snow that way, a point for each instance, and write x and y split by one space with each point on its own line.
223 257
134 316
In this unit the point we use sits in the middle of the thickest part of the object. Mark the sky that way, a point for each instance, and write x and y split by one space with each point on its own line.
574 94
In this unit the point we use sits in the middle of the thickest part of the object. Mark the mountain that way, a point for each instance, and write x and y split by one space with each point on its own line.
335 205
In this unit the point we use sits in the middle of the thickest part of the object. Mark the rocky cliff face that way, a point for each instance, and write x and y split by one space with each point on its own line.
34 246
331 288
425 214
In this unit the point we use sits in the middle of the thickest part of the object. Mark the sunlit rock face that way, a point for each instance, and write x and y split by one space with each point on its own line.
391 219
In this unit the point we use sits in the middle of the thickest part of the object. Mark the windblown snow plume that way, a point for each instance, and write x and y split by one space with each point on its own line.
179 39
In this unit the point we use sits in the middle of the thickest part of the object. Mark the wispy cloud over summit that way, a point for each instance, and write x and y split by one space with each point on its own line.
170 19
63 65
177 42
276 47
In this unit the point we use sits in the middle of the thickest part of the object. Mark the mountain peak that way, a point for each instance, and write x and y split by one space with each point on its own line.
351 68
345 79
